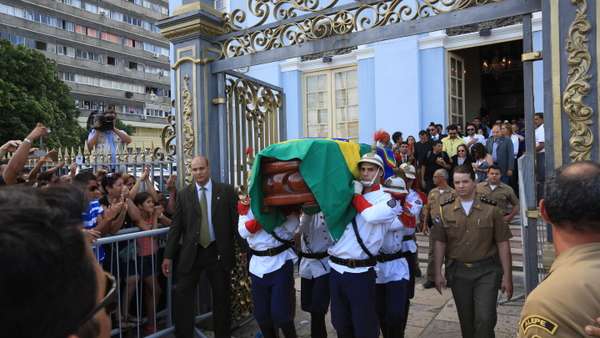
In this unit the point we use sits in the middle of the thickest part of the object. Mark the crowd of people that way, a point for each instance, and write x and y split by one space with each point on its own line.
113 201
479 145
454 187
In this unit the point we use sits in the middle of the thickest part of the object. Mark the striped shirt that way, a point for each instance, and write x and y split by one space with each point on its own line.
90 216
90 221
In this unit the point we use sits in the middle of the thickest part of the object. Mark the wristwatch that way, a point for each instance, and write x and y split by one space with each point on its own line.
26 140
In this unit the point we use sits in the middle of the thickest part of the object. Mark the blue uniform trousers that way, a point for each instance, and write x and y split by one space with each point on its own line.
353 304
412 260
272 296
391 307
314 298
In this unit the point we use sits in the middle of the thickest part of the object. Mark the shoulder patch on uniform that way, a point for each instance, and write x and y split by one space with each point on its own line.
539 322
392 203
485 199
447 201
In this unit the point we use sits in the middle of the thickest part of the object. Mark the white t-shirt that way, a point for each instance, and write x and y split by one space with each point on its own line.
480 138
539 137
515 140
467 206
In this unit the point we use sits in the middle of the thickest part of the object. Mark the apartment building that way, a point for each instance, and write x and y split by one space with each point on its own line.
109 52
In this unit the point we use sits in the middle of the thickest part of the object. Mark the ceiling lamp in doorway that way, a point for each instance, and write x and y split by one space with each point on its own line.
496 65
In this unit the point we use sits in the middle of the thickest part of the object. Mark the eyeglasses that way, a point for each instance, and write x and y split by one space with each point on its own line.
109 302
470 129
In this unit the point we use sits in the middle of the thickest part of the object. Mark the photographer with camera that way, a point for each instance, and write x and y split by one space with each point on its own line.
103 134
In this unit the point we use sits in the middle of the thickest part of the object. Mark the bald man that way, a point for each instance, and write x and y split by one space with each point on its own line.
201 238
569 297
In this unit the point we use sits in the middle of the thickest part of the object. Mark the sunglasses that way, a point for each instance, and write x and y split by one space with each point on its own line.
470 129
108 303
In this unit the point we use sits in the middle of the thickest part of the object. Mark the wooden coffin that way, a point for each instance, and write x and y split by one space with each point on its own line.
283 185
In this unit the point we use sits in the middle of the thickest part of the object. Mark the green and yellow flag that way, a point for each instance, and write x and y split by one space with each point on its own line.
328 167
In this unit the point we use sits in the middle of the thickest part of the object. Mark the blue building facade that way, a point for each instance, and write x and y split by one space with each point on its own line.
402 84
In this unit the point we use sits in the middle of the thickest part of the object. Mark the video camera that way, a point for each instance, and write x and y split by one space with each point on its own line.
102 120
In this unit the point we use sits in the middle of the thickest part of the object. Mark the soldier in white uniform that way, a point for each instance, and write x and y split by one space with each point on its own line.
411 212
352 257
392 270
271 271
314 271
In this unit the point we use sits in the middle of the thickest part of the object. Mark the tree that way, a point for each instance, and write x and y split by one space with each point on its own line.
31 92
125 127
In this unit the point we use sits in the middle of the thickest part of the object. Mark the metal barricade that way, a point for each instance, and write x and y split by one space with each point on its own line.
144 294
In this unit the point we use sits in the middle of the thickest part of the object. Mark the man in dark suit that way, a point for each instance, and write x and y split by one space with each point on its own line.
205 227
502 152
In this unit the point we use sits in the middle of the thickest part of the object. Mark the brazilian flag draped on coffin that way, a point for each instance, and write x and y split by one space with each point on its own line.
327 165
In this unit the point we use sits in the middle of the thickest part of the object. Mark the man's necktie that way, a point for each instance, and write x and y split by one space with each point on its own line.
204 231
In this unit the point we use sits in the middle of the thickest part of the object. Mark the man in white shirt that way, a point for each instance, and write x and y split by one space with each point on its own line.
538 121
540 162
472 137
352 257
434 134
393 274
314 271
104 137
410 214
271 271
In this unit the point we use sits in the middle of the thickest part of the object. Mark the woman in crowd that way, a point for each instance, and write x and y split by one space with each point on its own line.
130 267
115 195
99 177
397 139
129 181
481 161
411 144
146 215
462 157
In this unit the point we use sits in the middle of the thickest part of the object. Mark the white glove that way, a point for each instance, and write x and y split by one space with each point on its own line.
358 187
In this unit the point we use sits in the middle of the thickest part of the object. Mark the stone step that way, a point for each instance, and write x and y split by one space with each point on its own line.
516 245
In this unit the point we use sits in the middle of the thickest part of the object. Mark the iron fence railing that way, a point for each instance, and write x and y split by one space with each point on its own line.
131 161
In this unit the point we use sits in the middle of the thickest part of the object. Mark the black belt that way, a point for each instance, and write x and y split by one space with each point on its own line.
354 263
313 255
383 257
408 238
270 252
483 262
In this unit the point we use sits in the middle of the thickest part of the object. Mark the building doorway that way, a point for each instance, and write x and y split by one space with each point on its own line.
492 82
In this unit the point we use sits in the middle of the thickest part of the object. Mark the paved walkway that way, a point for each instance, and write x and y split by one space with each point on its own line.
430 316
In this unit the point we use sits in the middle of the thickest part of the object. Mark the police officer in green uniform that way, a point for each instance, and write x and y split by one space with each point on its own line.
501 193
569 298
440 193
473 237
